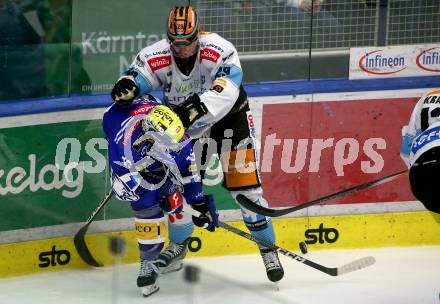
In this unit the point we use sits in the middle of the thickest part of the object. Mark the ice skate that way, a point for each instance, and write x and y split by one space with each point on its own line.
171 259
147 278
274 270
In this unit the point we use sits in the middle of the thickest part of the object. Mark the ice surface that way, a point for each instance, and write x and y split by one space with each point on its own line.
400 275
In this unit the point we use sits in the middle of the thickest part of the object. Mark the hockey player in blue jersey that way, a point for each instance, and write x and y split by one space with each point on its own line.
153 168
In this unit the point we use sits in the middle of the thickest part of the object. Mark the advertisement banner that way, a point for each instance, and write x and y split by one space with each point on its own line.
53 167
53 47
313 149
37 191
395 61
106 44
56 173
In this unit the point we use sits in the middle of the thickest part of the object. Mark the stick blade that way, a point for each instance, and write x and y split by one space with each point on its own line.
82 249
356 265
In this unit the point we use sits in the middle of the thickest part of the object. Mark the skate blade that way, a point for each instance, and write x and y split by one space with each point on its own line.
149 290
171 268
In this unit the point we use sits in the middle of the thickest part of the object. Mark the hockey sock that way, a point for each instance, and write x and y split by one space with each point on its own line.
151 251
178 233
266 233
150 234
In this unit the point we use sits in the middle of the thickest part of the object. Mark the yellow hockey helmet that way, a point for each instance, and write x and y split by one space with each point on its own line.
164 121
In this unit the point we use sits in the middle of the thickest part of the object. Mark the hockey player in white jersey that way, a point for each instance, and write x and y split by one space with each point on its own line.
420 150
200 74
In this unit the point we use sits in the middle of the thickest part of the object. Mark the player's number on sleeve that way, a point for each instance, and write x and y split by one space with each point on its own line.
425 117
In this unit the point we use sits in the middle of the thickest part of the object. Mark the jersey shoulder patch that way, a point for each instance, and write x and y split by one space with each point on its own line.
141 109
209 54
156 56
213 48
160 62
143 105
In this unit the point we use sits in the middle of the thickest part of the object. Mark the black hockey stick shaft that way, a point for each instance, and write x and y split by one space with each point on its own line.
352 266
250 205
330 271
79 238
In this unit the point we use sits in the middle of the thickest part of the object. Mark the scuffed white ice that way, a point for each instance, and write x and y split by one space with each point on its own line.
400 275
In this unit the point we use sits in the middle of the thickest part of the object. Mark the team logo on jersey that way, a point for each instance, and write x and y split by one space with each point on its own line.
219 85
214 46
209 54
158 63
217 88
139 61
251 124
125 186
143 109
425 138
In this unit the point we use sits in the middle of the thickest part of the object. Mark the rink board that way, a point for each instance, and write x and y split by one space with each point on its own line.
349 136
33 177
331 232
333 145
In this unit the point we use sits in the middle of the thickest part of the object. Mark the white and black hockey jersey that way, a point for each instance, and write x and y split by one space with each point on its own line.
423 130
216 77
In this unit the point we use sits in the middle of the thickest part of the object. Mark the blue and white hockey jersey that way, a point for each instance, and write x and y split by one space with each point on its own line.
122 126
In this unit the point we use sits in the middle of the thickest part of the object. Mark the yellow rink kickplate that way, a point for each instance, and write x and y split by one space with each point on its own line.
329 232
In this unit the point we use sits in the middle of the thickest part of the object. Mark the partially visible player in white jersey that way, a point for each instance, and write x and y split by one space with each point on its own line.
201 78
420 150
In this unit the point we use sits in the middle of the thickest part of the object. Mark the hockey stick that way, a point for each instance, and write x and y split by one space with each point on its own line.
336 271
79 238
250 205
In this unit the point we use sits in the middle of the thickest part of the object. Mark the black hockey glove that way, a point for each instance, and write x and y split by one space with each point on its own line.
209 215
125 91
191 110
